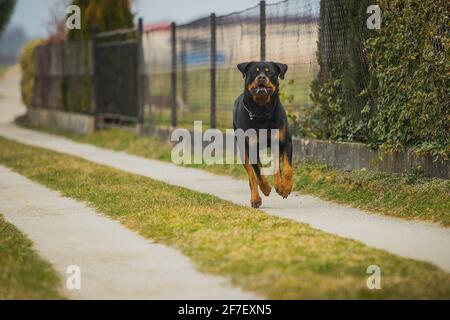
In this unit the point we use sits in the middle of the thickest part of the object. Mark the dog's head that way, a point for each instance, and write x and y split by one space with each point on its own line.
261 79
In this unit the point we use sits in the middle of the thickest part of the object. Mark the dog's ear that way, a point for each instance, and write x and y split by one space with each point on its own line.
243 67
282 69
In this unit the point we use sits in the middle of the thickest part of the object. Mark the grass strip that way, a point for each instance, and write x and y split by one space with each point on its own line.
23 273
272 256
3 69
412 196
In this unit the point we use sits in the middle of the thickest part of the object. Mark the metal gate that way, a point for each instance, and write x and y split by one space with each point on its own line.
117 79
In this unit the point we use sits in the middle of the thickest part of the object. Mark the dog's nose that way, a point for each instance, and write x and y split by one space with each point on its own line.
262 79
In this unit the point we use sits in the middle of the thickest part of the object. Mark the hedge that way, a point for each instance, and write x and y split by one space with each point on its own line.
343 71
27 66
410 65
389 86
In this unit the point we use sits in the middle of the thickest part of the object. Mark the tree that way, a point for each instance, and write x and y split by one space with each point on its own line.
6 10
102 15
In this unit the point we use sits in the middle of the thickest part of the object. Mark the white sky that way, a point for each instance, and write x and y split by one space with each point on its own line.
33 15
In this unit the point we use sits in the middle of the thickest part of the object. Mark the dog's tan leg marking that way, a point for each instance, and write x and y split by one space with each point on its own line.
282 134
287 177
255 199
278 180
264 185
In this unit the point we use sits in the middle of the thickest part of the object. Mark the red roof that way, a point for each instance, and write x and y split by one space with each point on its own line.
157 26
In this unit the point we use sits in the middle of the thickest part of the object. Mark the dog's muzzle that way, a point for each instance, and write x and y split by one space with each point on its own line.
262 90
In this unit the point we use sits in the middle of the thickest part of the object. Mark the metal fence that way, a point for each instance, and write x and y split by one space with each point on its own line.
117 79
101 77
174 74
191 68
64 76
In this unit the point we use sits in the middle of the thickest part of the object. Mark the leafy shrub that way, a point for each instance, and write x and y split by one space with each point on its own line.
389 86
410 62
339 89
102 15
98 16
27 65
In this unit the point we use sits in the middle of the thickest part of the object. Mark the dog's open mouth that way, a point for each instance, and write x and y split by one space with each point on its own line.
262 90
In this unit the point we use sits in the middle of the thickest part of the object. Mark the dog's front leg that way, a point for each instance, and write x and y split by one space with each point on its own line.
278 179
283 181
264 184
255 199
287 170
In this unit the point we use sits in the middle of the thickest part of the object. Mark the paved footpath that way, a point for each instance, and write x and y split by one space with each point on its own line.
115 262
411 239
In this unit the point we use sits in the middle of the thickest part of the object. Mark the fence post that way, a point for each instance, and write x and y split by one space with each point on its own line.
62 74
262 28
174 75
94 87
184 78
213 88
139 57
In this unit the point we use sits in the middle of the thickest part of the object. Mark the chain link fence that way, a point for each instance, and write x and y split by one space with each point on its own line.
199 59
188 72
292 35
344 72
238 40
158 69
342 83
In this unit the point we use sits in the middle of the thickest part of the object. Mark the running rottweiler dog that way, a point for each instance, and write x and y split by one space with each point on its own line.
259 107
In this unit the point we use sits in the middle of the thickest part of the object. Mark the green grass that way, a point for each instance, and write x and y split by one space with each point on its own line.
23 274
403 196
275 257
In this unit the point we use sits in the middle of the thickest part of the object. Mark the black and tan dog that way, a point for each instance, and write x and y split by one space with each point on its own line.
259 107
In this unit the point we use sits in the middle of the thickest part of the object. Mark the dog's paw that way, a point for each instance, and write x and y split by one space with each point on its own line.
256 203
285 194
266 189
286 189
279 190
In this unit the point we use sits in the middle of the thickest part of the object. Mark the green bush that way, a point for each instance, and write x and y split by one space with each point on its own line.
98 15
389 86
410 62
27 66
102 15
339 89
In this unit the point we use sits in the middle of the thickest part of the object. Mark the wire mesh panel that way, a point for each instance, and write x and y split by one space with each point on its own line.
340 89
40 88
291 38
181 64
49 66
193 44
117 84
77 83
158 67
238 40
